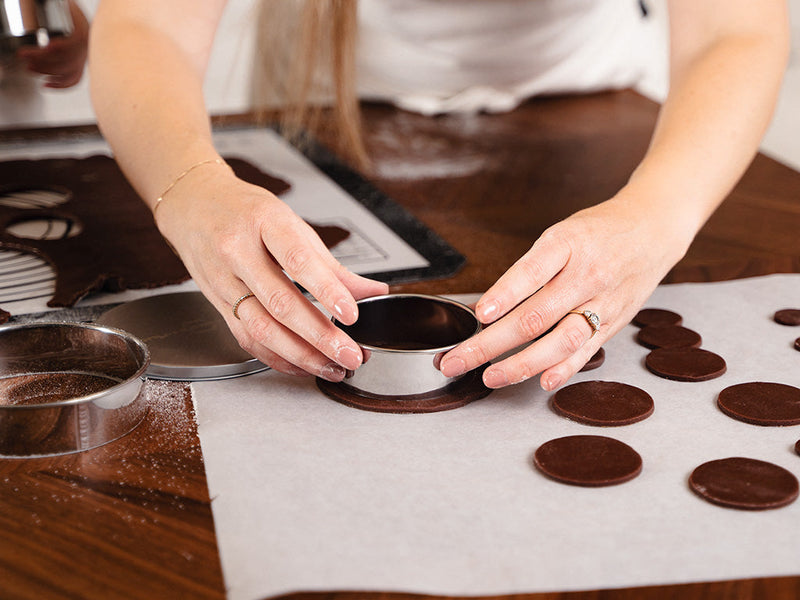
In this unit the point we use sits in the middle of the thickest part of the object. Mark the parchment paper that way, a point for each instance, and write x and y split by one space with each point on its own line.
312 495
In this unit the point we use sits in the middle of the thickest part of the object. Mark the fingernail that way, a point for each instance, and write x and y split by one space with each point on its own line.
453 367
495 378
348 357
332 372
550 382
488 312
298 372
345 311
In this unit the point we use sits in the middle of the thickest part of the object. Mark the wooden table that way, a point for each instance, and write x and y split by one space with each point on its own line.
133 519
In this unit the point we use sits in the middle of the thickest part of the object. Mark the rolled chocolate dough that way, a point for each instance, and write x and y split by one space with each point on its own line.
668 336
598 358
744 483
761 403
685 364
119 246
603 403
788 316
656 316
588 460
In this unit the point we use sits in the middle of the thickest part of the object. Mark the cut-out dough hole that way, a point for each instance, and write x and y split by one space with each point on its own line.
45 228
33 198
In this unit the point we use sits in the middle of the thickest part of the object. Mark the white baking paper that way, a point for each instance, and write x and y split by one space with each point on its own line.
372 246
309 494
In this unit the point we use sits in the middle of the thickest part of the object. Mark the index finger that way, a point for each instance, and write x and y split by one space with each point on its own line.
531 272
295 248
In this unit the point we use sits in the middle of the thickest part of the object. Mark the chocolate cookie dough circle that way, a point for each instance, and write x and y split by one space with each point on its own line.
588 460
656 316
603 403
797 447
598 358
788 316
744 483
761 403
668 336
797 344
459 393
685 364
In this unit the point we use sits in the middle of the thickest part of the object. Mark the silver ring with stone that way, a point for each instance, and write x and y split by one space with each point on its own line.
591 317
239 301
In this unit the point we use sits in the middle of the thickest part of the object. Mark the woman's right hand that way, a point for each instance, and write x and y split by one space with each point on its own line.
235 238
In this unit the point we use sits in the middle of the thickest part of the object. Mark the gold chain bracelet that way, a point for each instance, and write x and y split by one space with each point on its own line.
175 181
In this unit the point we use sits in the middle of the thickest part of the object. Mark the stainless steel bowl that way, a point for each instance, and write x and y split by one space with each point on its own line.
32 23
68 387
403 338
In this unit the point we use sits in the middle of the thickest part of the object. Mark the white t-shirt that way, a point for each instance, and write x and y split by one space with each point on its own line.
434 56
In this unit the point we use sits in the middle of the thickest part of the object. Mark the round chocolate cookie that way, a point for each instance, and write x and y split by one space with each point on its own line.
603 403
788 316
685 364
797 446
668 336
761 403
656 316
598 358
797 344
744 483
588 460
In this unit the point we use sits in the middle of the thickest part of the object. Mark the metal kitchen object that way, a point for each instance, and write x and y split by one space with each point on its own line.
188 339
403 338
68 387
32 23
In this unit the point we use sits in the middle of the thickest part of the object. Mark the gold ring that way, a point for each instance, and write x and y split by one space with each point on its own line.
591 317
239 301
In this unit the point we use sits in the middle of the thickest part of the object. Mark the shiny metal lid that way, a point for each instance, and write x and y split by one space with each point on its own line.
187 338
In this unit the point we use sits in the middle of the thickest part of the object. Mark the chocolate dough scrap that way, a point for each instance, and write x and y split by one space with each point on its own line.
744 483
797 344
656 316
788 316
588 460
603 403
761 403
119 246
685 364
331 235
797 447
668 336
597 360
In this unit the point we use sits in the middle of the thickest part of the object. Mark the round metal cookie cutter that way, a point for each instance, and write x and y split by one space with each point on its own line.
68 387
188 339
403 338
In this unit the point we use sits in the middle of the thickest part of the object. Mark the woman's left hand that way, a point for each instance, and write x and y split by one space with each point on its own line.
606 259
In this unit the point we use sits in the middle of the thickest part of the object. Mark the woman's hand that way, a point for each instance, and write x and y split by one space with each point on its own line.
726 62
236 238
63 59
606 259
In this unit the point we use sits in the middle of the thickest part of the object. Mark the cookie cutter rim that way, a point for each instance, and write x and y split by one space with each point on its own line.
82 422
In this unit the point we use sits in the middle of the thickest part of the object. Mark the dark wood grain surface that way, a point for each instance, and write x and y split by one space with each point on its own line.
133 519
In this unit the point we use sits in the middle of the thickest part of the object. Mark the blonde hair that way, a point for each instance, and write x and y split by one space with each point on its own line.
305 61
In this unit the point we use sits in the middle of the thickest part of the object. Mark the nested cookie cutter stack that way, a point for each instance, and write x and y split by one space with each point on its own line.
403 338
68 387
